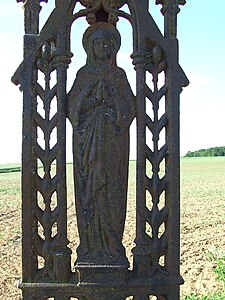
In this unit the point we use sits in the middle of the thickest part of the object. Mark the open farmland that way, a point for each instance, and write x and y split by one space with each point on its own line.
202 225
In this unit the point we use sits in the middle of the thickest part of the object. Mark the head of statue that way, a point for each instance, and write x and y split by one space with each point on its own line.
101 42
102 48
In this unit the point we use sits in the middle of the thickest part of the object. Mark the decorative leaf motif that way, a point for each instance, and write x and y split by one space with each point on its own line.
113 18
109 6
161 67
39 121
156 55
40 91
42 65
162 123
163 214
149 93
159 187
53 122
149 154
149 184
157 218
149 123
48 219
156 185
150 67
45 62
40 153
162 185
52 92
46 52
106 3
162 92
43 188
162 153
156 62
53 153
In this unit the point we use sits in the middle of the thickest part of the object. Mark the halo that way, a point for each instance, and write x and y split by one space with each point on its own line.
108 29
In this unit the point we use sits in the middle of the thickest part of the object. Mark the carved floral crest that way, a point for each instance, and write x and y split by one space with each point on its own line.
109 6
106 4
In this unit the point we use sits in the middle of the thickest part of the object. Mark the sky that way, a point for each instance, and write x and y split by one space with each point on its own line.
201 37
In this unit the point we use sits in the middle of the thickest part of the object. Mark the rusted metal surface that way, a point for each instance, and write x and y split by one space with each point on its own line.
100 107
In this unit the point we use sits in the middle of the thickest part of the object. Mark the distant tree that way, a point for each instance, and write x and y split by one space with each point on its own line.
214 151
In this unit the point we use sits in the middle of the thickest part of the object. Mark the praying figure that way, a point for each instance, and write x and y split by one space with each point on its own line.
101 107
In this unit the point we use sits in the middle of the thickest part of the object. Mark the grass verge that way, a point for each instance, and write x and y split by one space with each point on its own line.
215 296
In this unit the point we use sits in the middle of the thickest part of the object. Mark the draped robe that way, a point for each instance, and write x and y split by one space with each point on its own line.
100 158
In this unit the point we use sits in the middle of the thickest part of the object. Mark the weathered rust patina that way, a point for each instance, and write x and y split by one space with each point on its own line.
100 107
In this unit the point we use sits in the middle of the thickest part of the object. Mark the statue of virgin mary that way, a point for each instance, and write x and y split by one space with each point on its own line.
101 108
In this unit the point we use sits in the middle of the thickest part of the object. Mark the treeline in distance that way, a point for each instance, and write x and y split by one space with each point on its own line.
214 151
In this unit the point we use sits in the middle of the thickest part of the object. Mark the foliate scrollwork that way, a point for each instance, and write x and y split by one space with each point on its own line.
50 57
45 62
156 64
109 6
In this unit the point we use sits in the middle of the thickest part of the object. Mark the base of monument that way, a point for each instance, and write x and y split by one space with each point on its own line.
101 274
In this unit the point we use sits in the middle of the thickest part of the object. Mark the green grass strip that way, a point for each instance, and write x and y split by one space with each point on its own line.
214 296
10 170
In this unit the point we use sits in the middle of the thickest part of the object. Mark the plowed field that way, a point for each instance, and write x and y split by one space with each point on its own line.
202 225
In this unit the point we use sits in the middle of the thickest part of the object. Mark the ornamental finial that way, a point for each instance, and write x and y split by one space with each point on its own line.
170 9
170 6
31 15
102 10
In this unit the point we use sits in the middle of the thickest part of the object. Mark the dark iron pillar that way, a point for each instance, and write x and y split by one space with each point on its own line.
174 81
29 165
158 192
44 205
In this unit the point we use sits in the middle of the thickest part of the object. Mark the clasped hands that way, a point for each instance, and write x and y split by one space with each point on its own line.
101 92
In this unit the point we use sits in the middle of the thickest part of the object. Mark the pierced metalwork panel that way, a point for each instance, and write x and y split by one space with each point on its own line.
47 272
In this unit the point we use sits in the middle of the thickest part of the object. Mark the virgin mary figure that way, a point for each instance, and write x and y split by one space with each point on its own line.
101 109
